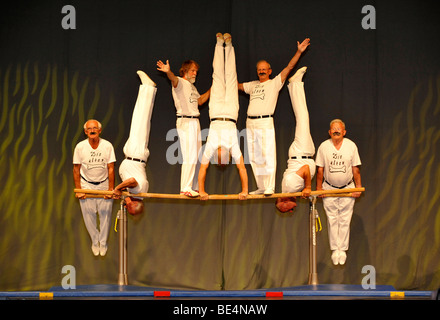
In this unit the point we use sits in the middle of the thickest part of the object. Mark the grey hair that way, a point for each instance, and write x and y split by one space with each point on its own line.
337 121
99 123
263 61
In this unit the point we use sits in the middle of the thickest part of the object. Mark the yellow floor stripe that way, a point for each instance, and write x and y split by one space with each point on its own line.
46 295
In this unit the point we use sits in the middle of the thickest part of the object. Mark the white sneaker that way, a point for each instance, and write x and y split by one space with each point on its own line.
228 39
297 77
190 193
268 192
335 257
145 79
258 191
342 257
95 249
220 39
102 250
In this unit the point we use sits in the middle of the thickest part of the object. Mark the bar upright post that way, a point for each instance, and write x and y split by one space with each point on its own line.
122 216
313 272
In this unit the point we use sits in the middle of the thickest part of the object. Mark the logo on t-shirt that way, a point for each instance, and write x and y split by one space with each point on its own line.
337 164
96 160
194 96
257 92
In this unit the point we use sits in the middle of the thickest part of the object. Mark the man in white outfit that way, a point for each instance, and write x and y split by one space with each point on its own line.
300 165
260 130
222 142
132 169
93 168
187 101
338 164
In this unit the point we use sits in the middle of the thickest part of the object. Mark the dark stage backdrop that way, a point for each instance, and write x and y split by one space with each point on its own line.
384 83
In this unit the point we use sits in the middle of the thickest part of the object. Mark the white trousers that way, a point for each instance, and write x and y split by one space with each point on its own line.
339 211
137 143
223 100
303 142
260 135
90 207
190 145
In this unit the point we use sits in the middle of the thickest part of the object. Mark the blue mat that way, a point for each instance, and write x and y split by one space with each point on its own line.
116 291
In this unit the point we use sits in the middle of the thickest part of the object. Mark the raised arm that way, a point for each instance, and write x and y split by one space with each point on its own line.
165 67
301 48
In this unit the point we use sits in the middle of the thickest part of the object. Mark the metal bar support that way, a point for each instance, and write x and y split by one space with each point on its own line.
313 269
122 217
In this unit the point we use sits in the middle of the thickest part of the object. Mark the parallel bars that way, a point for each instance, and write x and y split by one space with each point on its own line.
313 217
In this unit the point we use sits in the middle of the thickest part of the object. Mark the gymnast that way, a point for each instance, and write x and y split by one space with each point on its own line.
132 169
300 165
223 112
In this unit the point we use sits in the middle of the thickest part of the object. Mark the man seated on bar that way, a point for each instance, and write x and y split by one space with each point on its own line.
222 142
300 165
132 169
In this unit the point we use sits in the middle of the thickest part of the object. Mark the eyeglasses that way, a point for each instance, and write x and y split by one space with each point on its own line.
94 128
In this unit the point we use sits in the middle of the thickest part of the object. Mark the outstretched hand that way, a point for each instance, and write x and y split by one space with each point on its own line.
303 45
164 67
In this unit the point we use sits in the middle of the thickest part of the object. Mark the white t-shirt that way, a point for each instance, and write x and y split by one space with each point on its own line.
263 96
94 161
292 182
223 134
134 169
338 163
186 97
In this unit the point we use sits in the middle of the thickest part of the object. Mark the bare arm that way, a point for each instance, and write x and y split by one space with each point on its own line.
304 172
77 181
111 178
243 178
204 97
201 179
357 181
129 183
167 70
319 178
301 48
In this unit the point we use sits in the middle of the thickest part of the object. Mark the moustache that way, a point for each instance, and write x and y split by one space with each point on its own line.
262 74
336 133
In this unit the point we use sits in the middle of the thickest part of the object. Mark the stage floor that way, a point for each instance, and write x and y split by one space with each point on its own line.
315 292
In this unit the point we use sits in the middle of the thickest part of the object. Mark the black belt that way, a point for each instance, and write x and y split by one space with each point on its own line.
134 159
336 186
302 157
92 182
190 117
224 119
260 117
